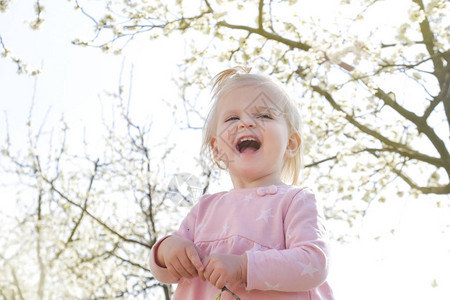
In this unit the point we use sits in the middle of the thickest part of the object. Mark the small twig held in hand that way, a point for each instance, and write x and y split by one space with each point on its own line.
225 289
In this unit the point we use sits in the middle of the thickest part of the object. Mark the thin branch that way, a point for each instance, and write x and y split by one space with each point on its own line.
432 106
16 282
100 222
267 35
129 261
422 126
395 44
430 42
209 6
316 163
410 66
439 190
399 147
415 155
85 13
2 44
260 14
15 278
78 222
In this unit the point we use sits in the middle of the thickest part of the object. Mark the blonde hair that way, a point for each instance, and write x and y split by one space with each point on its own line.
238 77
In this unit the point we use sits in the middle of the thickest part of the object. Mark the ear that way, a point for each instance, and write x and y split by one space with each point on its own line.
217 156
214 149
293 145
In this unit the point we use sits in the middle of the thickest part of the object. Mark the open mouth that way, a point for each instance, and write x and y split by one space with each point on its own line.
248 144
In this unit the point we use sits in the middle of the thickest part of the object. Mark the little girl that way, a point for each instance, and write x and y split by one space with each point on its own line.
263 239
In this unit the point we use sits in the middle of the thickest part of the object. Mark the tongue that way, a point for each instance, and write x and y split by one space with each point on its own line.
248 146
248 150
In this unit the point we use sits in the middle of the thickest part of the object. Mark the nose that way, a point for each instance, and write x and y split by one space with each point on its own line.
247 122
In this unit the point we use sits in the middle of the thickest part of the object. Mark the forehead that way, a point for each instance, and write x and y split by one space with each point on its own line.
250 97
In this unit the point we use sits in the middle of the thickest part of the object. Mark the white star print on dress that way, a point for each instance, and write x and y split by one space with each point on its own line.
256 247
199 227
247 198
290 235
282 191
272 287
265 215
308 269
277 246
225 228
184 280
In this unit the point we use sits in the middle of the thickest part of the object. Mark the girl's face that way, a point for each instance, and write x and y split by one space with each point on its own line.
252 137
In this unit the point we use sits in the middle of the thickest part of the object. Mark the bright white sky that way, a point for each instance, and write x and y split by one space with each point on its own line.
400 265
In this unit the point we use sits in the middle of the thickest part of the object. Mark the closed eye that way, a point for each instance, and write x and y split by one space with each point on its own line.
232 118
265 116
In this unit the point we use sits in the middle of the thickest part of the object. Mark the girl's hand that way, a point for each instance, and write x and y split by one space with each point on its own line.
180 257
221 269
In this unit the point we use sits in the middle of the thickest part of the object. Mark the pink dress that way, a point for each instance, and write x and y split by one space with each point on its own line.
278 227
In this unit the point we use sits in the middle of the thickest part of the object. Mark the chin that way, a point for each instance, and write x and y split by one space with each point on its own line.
250 173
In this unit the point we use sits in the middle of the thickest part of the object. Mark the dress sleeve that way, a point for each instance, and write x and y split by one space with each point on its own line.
303 265
186 230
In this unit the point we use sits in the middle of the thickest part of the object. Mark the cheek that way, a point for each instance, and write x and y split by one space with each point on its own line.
279 140
227 133
221 143
279 133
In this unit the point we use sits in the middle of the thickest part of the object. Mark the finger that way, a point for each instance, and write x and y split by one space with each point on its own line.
180 269
205 261
173 271
221 282
194 257
188 266
214 278
208 270
201 275
204 275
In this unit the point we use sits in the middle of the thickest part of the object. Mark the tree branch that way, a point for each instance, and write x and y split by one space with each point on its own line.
16 281
125 239
428 38
439 190
422 126
397 147
267 35
260 14
316 163
129 262
444 95
78 222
